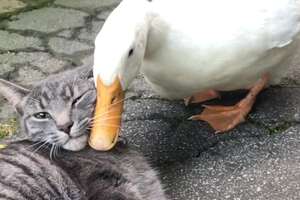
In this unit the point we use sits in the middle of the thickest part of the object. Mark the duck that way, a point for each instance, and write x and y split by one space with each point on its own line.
191 50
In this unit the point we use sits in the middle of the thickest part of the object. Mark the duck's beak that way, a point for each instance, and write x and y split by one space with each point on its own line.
107 116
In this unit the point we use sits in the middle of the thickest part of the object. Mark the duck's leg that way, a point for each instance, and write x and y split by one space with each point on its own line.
201 97
224 118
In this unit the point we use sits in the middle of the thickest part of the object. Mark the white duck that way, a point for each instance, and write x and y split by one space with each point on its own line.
187 47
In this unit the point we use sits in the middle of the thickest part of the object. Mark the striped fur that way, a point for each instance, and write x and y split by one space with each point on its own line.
121 174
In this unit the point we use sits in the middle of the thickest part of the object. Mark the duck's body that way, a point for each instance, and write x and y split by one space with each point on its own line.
222 45
185 47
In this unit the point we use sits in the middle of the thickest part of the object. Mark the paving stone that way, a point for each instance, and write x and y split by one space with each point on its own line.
13 41
4 69
104 14
90 34
29 76
48 20
88 61
36 3
10 6
249 169
87 4
60 45
42 60
65 33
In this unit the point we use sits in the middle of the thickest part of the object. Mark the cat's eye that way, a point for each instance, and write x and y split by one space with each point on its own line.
42 115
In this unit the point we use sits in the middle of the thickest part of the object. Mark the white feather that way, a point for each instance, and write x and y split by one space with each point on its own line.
194 45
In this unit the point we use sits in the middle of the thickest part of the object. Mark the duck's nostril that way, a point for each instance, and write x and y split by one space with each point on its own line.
66 127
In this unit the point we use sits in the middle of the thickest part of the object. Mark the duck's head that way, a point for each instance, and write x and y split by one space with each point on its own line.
119 52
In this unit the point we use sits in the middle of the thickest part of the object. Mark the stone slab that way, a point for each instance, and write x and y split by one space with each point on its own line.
64 46
65 33
13 41
28 76
48 20
104 14
7 6
42 60
5 69
88 61
87 4
90 34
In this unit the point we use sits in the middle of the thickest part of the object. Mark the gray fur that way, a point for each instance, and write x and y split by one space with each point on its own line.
26 172
120 174
68 101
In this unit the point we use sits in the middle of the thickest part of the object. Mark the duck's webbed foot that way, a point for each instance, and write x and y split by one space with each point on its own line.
225 118
201 97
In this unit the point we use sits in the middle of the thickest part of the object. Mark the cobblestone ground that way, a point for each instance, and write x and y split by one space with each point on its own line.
258 160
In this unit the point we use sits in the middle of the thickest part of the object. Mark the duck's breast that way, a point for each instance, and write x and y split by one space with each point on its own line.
223 45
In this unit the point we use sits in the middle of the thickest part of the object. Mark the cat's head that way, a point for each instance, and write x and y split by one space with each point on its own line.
58 110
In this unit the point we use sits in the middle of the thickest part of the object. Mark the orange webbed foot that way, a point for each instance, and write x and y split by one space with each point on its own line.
225 118
222 118
201 97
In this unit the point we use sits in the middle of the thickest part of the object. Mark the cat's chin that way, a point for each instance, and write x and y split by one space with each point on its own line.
76 144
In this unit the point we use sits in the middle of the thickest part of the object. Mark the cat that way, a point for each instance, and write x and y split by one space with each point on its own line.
58 110
120 174
56 114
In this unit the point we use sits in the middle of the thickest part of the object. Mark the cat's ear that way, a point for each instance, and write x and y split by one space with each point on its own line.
12 92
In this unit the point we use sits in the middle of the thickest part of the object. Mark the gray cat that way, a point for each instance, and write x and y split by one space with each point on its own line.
120 174
57 113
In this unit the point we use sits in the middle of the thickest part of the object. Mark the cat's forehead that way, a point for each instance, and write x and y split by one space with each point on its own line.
61 87
58 92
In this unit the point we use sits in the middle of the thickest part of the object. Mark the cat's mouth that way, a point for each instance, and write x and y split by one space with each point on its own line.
76 143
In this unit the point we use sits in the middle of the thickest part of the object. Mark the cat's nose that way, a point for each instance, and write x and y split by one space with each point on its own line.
66 127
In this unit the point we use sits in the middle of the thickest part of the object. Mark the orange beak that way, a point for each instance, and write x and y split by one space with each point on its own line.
107 116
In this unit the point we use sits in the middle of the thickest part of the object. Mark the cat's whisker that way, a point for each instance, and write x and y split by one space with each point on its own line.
56 151
105 125
34 144
42 145
101 115
81 126
51 151
120 101
104 119
100 122
36 100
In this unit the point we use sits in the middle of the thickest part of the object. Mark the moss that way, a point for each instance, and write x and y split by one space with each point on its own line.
30 5
279 128
8 128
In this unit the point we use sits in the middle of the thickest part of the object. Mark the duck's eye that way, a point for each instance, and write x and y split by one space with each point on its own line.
42 115
130 52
